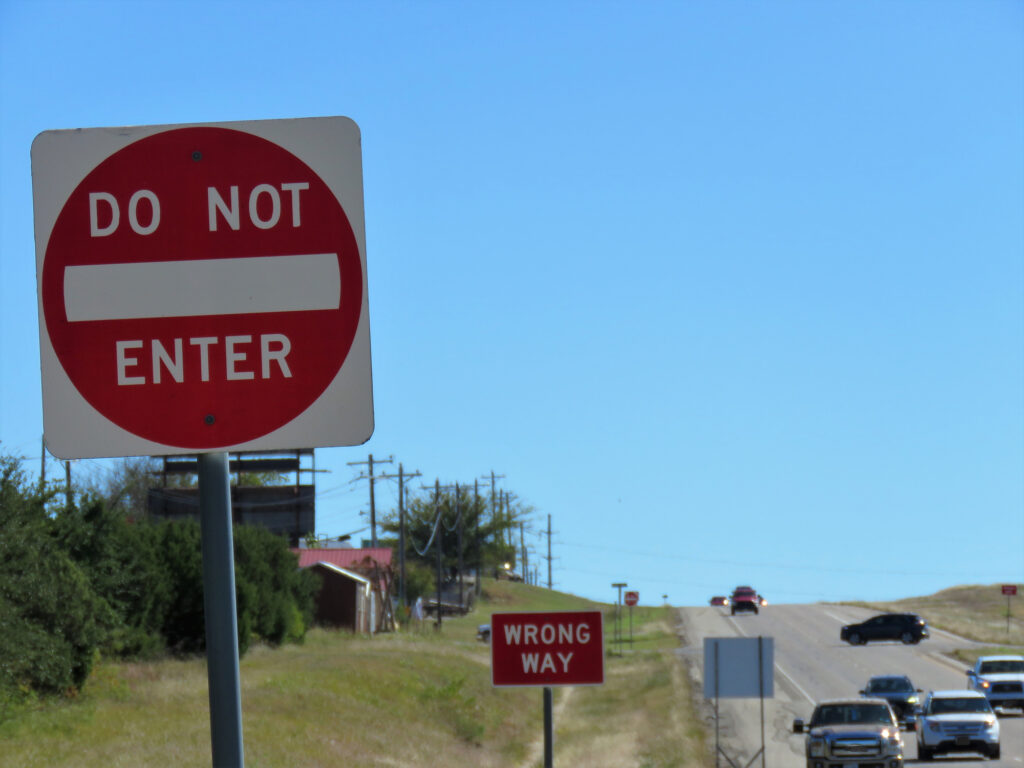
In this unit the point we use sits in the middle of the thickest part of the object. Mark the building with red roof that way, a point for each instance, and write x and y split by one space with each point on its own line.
372 564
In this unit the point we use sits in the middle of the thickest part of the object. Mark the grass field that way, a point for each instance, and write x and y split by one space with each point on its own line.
411 698
977 612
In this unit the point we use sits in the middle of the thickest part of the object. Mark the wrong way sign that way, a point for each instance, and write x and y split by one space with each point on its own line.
547 648
202 287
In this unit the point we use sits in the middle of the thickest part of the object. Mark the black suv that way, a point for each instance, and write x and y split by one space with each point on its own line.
898 691
906 627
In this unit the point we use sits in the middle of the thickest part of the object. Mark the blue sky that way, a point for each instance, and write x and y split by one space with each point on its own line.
733 291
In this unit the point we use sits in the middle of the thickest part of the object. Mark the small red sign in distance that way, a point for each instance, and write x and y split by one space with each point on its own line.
632 598
547 649
1009 589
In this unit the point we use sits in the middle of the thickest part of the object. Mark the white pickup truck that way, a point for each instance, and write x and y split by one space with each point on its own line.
1000 678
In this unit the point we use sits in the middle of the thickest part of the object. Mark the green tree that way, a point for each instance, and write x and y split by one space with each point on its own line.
183 624
275 598
51 620
486 537
124 566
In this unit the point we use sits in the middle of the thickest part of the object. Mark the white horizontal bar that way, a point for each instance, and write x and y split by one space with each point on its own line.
240 286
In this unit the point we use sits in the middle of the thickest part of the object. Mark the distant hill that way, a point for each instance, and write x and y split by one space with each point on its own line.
974 611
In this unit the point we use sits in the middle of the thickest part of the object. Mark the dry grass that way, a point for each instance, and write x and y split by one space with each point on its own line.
976 612
403 699
643 716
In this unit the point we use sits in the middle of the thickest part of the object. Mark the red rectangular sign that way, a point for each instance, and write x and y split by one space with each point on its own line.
1009 589
547 649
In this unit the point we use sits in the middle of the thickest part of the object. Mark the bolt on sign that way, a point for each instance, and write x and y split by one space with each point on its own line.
202 287
547 649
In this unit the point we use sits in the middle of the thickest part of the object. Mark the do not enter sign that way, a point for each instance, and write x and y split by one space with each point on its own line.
202 288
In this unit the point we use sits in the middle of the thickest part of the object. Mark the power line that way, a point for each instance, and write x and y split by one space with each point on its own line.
369 476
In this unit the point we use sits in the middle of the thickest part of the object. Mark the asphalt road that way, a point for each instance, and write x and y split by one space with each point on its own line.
812 664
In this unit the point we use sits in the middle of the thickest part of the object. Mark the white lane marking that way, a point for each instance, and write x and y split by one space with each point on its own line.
785 674
795 684
736 626
247 285
833 616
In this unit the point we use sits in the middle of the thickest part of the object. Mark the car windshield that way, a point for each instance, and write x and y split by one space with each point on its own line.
1002 666
945 706
851 714
889 685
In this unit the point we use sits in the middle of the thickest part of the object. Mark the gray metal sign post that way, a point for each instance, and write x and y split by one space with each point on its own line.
220 611
549 728
739 667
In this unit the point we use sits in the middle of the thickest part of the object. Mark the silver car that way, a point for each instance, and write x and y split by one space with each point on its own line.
957 721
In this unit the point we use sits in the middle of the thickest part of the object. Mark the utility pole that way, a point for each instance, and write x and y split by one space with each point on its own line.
549 557
476 537
42 464
549 552
401 537
458 522
440 538
401 529
522 548
373 509
494 496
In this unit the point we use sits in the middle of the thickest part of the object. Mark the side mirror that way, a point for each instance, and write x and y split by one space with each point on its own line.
798 726
862 693
920 691
970 672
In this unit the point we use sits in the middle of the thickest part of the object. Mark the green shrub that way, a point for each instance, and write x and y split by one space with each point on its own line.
51 620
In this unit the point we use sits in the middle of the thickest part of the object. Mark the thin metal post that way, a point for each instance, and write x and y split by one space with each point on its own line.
220 611
718 748
760 683
549 729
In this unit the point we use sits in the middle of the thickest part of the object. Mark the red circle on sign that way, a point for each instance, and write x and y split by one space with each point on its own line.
225 376
632 598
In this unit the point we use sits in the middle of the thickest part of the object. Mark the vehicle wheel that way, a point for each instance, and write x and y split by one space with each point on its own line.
854 638
756 610
733 610
907 638
923 752
993 752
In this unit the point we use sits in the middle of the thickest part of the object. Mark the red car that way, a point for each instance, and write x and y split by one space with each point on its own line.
719 600
745 599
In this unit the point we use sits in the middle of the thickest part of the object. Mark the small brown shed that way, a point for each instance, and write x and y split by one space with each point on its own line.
372 565
344 598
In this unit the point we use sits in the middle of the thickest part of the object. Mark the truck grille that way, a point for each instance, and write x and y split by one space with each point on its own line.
856 748
1007 688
